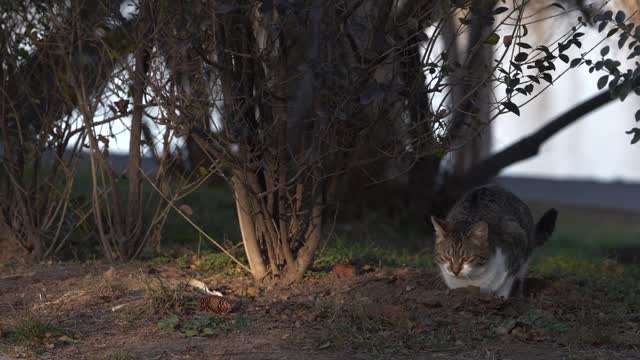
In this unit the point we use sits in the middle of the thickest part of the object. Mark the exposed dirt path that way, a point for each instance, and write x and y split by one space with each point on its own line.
99 312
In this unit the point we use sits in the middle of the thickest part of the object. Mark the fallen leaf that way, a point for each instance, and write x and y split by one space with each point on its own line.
65 338
324 346
343 270
251 291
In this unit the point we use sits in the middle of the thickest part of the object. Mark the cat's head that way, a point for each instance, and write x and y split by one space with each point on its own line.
461 250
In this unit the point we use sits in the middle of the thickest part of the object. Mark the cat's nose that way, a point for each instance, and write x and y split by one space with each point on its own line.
455 269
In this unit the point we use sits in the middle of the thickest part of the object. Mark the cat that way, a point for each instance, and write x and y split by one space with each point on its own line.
487 240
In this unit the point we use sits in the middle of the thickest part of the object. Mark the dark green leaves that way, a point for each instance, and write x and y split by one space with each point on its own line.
638 115
492 39
575 63
521 57
564 58
602 82
511 107
169 322
500 10
636 135
604 51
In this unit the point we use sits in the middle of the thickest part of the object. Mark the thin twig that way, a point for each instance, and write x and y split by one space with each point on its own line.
194 225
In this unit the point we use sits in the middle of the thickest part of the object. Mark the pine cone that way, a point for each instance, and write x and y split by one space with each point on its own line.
216 304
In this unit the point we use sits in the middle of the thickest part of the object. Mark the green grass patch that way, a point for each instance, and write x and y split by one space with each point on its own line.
203 325
33 334
371 253
31 329
588 233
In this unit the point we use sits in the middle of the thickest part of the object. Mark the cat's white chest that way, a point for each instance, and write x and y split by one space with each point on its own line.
494 277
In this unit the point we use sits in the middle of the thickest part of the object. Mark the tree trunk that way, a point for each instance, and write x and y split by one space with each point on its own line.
135 219
245 209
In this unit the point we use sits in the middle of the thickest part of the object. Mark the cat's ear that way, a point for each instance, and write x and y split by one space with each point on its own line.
441 228
478 233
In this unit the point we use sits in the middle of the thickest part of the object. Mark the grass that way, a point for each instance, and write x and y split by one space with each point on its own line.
589 233
32 333
164 298
213 210
31 329
121 356
372 237
202 325
351 326
370 252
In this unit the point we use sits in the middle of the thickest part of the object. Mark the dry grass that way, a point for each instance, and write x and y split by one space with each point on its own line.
164 298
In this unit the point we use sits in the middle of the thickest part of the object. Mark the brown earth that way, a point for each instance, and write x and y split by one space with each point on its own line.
104 312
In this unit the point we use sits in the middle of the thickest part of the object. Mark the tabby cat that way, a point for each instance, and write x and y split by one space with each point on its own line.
487 239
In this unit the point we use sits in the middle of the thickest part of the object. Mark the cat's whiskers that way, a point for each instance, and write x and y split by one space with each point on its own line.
474 274
435 279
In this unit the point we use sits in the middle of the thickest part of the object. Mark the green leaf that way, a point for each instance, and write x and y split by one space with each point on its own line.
208 331
492 39
602 26
190 332
169 322
638 115
604 51
636 135
575 62
564 58
623 39
612 32
529 88
511 107
559 6
521 57
500 10
602 82
620 16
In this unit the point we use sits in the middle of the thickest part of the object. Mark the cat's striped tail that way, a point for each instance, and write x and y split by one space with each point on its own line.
545 226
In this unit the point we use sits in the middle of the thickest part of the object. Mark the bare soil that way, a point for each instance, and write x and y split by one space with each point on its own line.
102 312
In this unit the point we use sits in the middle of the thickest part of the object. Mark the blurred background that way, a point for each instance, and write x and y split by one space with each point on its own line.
389 166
